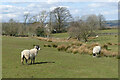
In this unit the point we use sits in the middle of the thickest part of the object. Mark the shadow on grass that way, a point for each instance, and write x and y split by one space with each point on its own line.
41 63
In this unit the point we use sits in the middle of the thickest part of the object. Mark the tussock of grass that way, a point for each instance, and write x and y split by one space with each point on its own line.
77 43
62 47
86 49
54 45
49 40
107 53
75 51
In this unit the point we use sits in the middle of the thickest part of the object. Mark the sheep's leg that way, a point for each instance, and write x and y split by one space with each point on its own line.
33 60
26 61
22 60
99 53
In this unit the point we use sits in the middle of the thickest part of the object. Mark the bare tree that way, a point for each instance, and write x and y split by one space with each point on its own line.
26 17
93 24
84 27
61 16
102 22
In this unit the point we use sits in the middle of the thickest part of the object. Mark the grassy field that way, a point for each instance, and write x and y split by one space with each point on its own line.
65 35
51 63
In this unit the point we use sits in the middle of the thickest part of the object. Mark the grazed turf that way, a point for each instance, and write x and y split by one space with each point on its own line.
53 64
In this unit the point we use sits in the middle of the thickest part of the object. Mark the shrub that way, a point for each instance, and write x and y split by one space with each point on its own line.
54 45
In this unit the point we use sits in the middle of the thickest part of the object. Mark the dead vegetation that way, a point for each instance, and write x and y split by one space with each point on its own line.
77 47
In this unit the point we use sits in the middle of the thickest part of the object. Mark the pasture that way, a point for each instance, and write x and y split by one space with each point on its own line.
50 63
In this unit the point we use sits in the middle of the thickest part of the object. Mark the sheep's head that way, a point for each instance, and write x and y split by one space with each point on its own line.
36 47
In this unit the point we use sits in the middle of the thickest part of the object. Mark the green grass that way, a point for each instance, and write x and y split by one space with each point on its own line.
108 31
60 35
66 65
66 35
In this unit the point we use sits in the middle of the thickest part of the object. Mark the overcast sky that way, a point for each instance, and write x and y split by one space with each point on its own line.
16 10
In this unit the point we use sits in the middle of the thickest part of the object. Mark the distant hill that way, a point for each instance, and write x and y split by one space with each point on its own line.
112 23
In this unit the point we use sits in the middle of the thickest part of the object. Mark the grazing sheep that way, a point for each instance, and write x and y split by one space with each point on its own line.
96 36
29 54
96 51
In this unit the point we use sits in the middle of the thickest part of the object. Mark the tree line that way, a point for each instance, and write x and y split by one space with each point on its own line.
56 21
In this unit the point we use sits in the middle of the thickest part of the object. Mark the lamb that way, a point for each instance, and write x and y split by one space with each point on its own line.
29 54
96 51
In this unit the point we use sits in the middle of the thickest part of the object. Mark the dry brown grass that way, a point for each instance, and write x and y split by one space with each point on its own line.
79 47
105 46
77 43
93 45
69 50
75 51
107 53
49 40
91 37
62 47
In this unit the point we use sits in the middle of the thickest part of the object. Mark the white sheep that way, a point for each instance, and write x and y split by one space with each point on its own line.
29 54
96 36
96 51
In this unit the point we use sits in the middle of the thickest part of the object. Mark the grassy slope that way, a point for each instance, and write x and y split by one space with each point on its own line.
66 65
